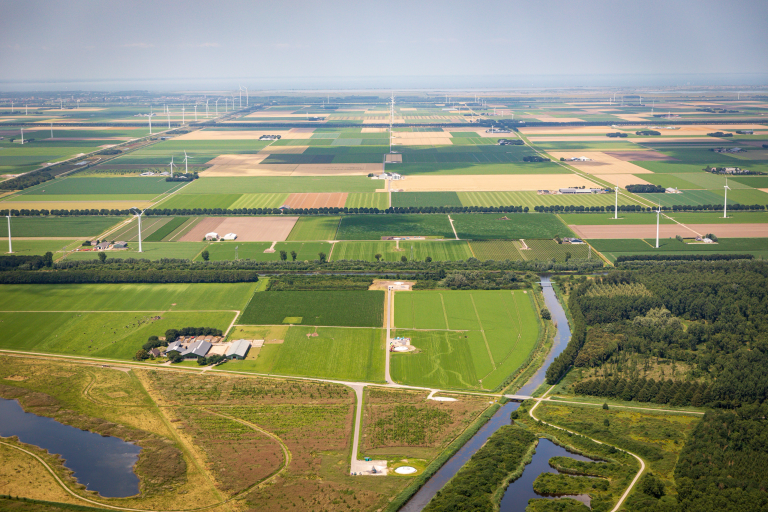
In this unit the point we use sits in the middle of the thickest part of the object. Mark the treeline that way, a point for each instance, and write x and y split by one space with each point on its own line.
172 335
472 489
645 189
183 177
290 283
616 135
648 132
720 134
12 262
563 362
647 390
684 257
535 158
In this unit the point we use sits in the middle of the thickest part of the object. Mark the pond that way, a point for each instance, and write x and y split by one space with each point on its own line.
102 464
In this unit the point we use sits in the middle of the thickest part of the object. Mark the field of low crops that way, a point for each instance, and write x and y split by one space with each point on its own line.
547 250
150 251
444 250
373 227
228 251
498 250
367 200
260 201
103 186
130 231
283 184
58 227
314 228
612 249
422 199
166 229
493 226
190 201
531 199
331 308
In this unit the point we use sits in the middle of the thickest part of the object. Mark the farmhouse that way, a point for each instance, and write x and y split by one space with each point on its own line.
238 349
580 159
571 190
672 191
387 176
212 236
103 246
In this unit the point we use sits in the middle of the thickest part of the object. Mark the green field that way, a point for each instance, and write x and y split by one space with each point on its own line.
548 250
113 335
126 297
315 228
734 217
367 200
259 201
38 247
71 227
165 230
282 184
625 218
532 199
191 201
422 199
478 168
373 227
685 198
335 353
448 250
329 308
465 339
612 249
255 250
130 231
102 186
497 250
752 181
150 251
492 226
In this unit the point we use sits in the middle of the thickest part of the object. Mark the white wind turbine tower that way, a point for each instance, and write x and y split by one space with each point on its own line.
206 109
168 113
182 114
22 136
141 212
658 216
217 108
186 169
10 245
246 97
195 112
240 91
725 203
616 208
171 166
150 122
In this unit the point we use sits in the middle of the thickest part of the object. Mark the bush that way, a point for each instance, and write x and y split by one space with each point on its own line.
545 314
205 255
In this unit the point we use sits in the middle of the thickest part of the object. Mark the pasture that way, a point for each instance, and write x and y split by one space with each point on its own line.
150 251
367 200
532 199
625 218
497 250
492 226
192 201
465 339
59 227
447 250
328 308
334 353
282 184
229 251
259 201
548 250
423 199
314 228
612 249
102 186
373 227
39 247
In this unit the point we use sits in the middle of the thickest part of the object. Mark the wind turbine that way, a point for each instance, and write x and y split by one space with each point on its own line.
22 136
141 212
217 108
150 122
182 114
185 162
725 205
246 97
195 112
168 113
206 109
616 209
171 166
658 215
10 246
240 91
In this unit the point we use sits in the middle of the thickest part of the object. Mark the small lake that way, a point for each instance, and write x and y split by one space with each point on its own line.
521 490
102 464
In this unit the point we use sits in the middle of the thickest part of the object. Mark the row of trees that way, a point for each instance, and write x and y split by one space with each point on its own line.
671 392
645 189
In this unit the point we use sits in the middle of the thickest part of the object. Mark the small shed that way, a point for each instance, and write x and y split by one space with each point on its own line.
239 349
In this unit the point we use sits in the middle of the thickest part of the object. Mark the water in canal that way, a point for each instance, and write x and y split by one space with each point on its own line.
102 464
454 464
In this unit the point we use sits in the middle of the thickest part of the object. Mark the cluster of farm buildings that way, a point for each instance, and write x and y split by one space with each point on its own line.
192 347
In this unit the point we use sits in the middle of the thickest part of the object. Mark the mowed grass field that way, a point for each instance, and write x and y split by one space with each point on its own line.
469 340
373 227
102 186
226 251
328 308
367 200
532 199
612 249
423 199
335 353
38 247
191 201
315 228
259 201
492 226
497 250
282 184
447 250
150 251
47 227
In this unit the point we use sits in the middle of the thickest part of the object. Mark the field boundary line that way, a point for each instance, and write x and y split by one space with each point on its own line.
445 313
181 228
453 228
482 331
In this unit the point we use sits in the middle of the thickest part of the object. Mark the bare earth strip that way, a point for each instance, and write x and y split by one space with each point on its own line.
247 229
490 183
309 200
601 163
640 156
671 230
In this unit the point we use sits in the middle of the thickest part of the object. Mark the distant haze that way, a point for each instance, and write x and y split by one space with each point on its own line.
406 44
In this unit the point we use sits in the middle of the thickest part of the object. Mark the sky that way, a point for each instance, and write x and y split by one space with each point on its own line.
378 42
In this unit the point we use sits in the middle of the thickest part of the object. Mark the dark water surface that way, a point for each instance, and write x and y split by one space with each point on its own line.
455 463
102 464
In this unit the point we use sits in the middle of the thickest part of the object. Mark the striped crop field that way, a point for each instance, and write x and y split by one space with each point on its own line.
314 228
260 201
191 201
469 340
531 199
546 250
448 250
166 229
130 232
498 250
378 200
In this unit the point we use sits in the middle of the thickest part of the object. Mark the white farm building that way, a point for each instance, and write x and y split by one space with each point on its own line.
212 236
229 236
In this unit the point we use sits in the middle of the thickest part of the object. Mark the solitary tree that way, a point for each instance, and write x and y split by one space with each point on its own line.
283 255
428 259
48 259
293 255
403 259
321 256
378 257
205 255
102 257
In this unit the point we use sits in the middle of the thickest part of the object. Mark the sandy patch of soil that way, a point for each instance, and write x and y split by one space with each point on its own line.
671 230
374 130
309 200
489 183
622 180
248 229
393 158
640 156
601 163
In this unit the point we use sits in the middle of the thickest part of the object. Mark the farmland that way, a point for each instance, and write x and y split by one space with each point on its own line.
367 200
150 250
465 339
374 227
447 250
612 249
69 227
498 250
333 308
255 251
282 184
406 199
532 199
314 228
514 226
103 186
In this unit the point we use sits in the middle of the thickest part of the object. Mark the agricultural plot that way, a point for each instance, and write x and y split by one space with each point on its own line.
734 217
744 196
367 200
130 232
199 151
283 184
625 219
102 186
532 199
314 228
508 226
447 169
259 201
247 229
376 226
423 199
39 247
59 227
192 201
497 250
255 251
448 250
330 308
324 352
612 249
465 339
686 198
164 231
36 153
150 251
78 201
548 250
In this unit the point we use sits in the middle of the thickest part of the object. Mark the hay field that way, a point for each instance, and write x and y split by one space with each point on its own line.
260 201
322 200
236 135
483 183
248 229
315 228
331 308
601 163
670 231
446 250
532 199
